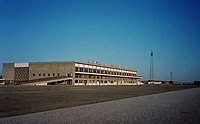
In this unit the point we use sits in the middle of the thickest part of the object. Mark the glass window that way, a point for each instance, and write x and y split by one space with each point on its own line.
39 74
76 81
33 74
69 75
85 69
81 69
48 74
44 74
77 69
85 76
57 74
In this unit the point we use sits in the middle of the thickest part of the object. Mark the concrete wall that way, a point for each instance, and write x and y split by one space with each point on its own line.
8 71
39 70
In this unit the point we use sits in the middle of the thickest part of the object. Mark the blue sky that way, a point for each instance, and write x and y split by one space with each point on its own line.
121 32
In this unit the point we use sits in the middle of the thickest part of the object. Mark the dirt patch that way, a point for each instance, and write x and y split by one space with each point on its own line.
17 100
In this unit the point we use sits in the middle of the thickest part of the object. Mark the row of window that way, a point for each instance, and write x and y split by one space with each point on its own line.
93 76
87 76
49 74
81 69
93 81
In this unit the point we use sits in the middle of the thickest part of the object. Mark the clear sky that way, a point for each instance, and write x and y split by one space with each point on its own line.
120 32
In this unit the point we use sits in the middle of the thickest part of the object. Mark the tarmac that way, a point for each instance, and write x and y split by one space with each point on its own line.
177 107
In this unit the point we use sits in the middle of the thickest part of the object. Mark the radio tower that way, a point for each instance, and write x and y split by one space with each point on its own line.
171 78
151 67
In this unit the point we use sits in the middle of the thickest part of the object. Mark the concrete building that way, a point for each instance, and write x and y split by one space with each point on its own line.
69 72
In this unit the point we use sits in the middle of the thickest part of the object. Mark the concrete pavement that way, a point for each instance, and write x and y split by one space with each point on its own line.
180 107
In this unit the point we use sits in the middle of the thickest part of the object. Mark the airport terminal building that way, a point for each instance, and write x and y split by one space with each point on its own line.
69 73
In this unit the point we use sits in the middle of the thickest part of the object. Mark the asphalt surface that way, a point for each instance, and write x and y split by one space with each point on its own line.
177 107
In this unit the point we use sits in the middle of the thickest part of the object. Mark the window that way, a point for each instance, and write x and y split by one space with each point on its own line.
58 74
70 75
94 70
53 74
44 74
102 72
76 75
48 74
98 71
39 74
85 76
76 69
90 70
76 81
81 69
85 69
33 74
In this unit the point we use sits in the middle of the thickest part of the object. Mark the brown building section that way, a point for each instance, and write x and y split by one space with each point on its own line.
8 71
39 70
69 72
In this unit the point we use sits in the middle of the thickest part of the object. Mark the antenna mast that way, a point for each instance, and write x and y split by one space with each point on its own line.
151 66
171 78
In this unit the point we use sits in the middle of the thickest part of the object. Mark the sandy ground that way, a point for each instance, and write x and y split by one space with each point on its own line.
176 107
17 100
